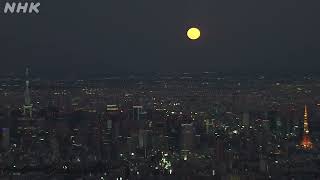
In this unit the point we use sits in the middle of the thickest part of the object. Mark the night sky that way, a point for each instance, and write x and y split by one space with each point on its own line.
101 36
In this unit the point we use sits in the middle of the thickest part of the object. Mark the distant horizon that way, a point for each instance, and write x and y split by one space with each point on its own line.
82 70
88 74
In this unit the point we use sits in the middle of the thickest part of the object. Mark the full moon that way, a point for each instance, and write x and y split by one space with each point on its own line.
193 33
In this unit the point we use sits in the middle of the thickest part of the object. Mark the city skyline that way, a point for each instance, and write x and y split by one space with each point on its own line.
159 90
169 128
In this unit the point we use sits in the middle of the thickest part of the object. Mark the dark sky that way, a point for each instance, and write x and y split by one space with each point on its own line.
97 36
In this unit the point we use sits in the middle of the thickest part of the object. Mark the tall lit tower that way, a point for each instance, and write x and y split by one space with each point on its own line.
306 143
27 107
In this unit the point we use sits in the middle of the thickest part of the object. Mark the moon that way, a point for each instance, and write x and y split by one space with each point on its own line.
193 33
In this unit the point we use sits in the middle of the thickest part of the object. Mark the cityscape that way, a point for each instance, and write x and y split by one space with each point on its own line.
159 90
205 125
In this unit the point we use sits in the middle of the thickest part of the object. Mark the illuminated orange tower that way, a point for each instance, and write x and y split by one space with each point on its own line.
306 143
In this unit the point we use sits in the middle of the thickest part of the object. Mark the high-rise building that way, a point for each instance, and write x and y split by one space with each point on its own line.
306 143
27 107
28 125
110 129
276 123
219 150
209 125
136 112
187 137
4 138
246 119
139 122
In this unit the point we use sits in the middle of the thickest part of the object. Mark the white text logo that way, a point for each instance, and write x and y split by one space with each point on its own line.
21 7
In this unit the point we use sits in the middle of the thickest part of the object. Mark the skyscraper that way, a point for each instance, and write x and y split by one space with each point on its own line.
306 143
4 138
27 107
136 113
187 137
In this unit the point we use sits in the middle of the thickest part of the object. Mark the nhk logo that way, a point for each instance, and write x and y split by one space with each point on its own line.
21 8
